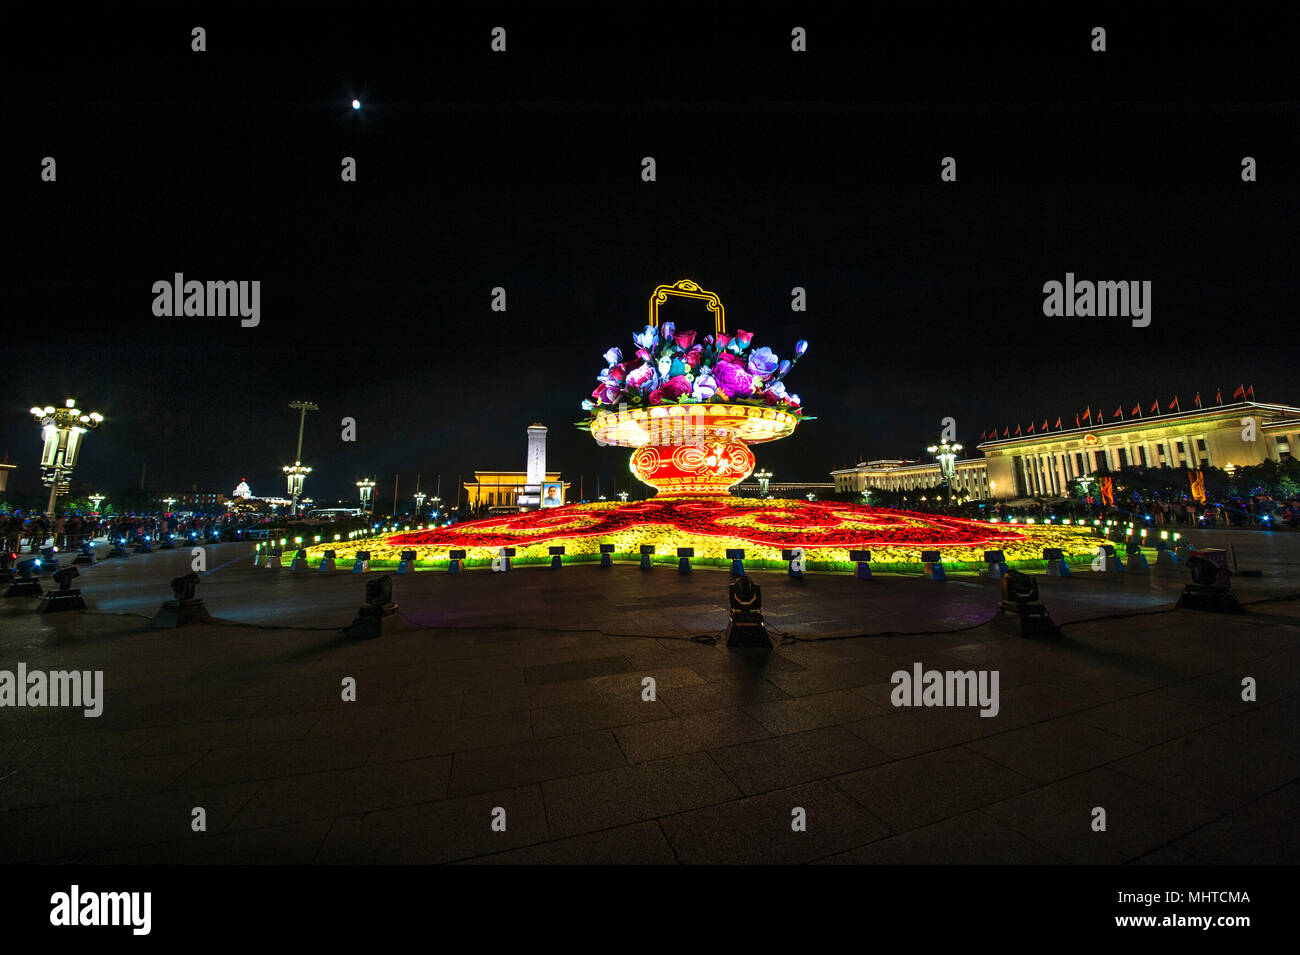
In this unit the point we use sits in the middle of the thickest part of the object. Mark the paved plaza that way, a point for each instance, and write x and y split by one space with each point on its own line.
523 692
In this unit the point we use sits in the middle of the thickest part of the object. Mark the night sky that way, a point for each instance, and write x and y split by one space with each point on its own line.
522 170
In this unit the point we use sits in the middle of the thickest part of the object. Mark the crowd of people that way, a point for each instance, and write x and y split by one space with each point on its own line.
1261 511
38 531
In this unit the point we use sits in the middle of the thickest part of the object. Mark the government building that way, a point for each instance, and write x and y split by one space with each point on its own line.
1042 465
502 488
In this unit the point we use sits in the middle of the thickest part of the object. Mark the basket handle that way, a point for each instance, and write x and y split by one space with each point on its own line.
688 289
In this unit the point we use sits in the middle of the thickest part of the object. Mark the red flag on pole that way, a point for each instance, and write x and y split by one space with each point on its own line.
1174 404
1017 430
1031 428
1006 433
1087 414
1197 402
1137 410
1058 424
1077 424
1100 419
1045 424
1240 392
1155 406
1218 396
1119 413
1250 392
981 435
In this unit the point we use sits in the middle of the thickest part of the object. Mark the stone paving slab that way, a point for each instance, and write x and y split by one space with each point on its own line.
523 693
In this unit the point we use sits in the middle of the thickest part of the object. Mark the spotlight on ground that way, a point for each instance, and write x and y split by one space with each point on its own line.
862 563
378 616
795 556
932 565
361 562
995 563
737 557
606 555
1056 565
86 555
647 552
746 629
184 608
501 563
1020 602
557 557
327 562
407 564
66 597
684 555
1211 586
455 560
26 584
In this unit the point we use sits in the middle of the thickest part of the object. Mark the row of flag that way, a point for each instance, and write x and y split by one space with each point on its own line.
1088 417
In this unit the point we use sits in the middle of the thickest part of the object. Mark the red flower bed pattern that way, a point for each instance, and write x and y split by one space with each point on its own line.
779 523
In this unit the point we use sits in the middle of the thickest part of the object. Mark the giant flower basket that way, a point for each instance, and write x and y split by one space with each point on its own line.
690 407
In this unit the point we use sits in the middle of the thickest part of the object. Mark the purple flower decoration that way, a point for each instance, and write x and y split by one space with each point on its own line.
613 356
733 381
800 347
705 387
762 362
785 367
666 331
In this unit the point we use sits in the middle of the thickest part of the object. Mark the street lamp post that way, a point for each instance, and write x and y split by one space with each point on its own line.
297 474
946 455
95 501
367 488
763 477
169 501
62 429
419 502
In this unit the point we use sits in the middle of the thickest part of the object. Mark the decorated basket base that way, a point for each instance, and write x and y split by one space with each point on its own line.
826 531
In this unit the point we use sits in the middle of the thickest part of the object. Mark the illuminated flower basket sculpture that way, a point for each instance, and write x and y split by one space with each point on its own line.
690 409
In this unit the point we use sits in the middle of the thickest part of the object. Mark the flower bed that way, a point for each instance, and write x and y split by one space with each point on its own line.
826 530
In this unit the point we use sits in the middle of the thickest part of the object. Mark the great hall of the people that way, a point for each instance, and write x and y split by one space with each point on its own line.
1042 465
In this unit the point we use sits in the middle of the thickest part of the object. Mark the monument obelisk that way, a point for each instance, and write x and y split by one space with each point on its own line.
531 498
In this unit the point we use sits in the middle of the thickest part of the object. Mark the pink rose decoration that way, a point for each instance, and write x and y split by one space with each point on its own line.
675 388
655 397
684 340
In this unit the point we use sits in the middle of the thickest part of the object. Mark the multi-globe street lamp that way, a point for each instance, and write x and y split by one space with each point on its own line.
946 455
367 488
297 474
62 429
420 497
95 501
763 477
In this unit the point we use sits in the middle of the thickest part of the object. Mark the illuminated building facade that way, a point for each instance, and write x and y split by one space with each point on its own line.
970 480
503 488
1044 464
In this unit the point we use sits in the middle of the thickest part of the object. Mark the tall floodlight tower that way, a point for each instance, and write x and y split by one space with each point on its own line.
531 499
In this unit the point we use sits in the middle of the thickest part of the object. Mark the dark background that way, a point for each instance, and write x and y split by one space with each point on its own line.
522 170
